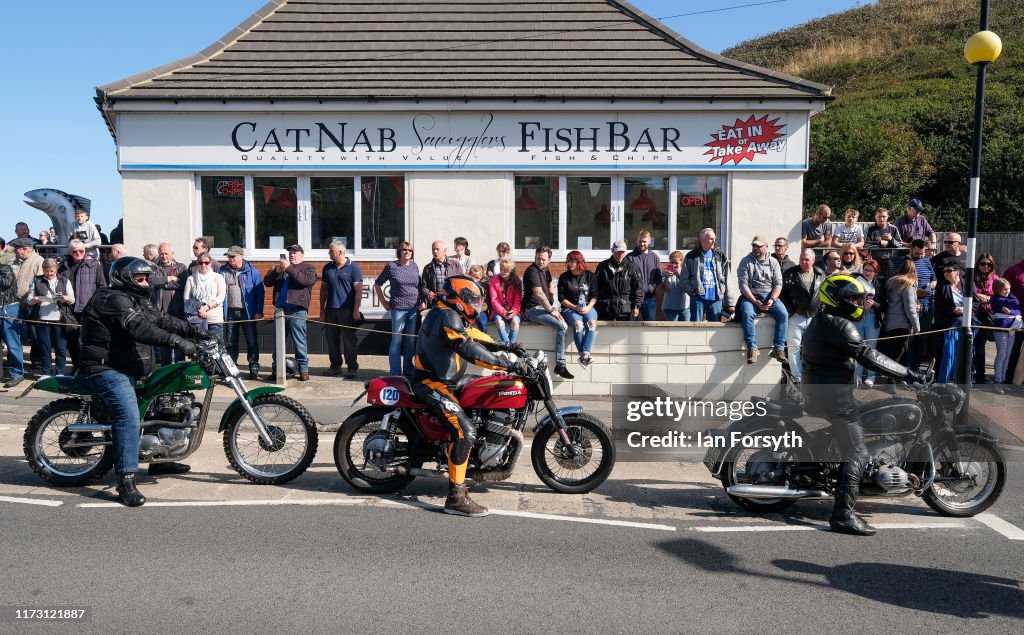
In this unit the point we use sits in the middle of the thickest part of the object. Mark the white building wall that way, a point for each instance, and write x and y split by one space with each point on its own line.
159 207
768 203
443 205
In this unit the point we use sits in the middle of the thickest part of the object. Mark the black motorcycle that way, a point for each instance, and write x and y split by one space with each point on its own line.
916 447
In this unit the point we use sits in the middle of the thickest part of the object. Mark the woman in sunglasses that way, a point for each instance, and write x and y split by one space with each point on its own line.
402 276
949 311
984 276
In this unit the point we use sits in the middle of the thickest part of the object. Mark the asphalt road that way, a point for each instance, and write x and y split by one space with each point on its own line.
657 548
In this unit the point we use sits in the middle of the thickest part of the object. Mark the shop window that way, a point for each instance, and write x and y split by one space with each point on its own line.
332 203
699 206
275 207
536 212
588 202
383 211
223 209
646 206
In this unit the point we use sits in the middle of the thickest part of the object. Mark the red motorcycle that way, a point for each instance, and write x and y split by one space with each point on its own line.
382 448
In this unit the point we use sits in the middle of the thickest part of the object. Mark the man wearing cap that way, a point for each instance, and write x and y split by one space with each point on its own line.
341 293
25 266
913 224
760 282
244 301
292 280
620 290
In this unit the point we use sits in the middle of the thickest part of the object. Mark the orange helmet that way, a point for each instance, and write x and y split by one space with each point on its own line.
464 295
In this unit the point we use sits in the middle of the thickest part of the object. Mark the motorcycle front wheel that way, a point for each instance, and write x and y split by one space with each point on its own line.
61 457
984 472
361 448
293 441
593 462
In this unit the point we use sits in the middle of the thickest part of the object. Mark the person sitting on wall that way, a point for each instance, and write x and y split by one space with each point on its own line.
539 304
506 293
760 282
577 294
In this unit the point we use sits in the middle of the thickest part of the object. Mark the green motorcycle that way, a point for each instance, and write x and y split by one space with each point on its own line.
268 438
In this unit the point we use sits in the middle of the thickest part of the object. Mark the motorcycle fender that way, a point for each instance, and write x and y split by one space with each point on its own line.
975 432
715 456
568 410
250 396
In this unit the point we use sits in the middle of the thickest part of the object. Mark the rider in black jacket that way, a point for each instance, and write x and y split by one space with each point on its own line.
445 343
831 350
119 329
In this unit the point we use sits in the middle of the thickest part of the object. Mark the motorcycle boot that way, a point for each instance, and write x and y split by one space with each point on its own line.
460 504
126 491
158 469
844 520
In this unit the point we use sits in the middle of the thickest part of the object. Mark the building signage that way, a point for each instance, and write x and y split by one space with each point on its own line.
464 141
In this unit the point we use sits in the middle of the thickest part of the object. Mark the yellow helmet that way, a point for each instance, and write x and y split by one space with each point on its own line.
843 295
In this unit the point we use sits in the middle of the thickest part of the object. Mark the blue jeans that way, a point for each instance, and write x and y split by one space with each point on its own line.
584 329
512 332
50 339
795 328
540 316
248 329
674 315
649 309
868 330
295 328
403 345
747 311
482 321
701 308
118 394
11 332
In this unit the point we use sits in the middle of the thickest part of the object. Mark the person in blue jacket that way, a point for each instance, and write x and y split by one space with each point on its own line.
244 301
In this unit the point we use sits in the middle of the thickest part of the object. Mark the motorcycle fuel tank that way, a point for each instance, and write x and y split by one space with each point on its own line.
499 392
393 392
179 377
888 417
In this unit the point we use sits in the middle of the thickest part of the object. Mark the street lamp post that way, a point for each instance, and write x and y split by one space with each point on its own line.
981 49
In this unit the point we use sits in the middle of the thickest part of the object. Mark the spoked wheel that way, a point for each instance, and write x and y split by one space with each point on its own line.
563 472
972 488
362 450
293 441
752 466
62 457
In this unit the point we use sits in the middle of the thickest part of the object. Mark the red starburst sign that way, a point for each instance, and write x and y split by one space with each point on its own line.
746 139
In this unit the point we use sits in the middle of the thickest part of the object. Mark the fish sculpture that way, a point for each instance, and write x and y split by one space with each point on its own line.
60 207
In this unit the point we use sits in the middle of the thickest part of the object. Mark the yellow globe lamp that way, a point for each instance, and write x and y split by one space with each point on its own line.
983 47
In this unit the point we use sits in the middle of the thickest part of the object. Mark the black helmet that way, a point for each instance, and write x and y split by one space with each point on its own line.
122 274
465 295
843 295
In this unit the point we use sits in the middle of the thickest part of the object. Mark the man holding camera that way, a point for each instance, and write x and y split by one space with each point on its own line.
292 280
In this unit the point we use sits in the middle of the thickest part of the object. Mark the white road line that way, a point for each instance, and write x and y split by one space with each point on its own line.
757 528
5 427
578 519
238 503
998 524
31 501
770 528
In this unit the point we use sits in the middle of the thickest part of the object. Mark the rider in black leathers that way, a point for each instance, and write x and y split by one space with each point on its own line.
444 345
119 329
831 350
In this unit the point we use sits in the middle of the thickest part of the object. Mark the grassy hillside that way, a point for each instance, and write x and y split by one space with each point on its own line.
902 121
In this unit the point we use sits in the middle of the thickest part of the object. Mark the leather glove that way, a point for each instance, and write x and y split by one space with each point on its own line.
183 345
208 336
519 350
917 377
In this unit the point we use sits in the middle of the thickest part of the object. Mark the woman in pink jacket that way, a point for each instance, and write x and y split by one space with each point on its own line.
506 301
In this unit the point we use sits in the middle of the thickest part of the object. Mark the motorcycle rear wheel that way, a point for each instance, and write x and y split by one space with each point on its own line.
293 441
593 463
45 446
734 472
350 443
984 462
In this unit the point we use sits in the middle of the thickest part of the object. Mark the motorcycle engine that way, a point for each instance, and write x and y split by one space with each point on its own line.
884 472
167 428
493 436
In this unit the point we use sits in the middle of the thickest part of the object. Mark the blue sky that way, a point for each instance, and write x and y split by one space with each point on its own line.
60 50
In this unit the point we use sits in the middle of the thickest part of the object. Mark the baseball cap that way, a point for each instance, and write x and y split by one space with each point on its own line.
759 240
618 246
916 204
234 250
297 248
22 242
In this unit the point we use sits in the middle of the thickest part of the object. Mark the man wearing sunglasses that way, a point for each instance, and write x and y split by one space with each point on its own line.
86 276
953 255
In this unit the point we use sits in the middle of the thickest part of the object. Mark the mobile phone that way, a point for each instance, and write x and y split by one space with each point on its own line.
283 256
671 268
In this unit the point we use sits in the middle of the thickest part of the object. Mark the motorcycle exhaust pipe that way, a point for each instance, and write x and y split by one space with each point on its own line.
774 491
88 427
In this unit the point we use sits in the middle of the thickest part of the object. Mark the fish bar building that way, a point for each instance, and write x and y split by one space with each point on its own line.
557 122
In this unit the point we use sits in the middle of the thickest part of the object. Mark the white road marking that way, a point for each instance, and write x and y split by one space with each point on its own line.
939 524
758 528
239 503
31 501
996 523
578 519
5 427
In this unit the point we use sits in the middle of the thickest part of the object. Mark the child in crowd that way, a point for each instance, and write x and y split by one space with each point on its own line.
477 272
506 291
1006 314
86 232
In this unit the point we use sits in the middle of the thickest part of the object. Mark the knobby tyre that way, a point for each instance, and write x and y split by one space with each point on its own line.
291 449
983 463
48 446
361 435
594 460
